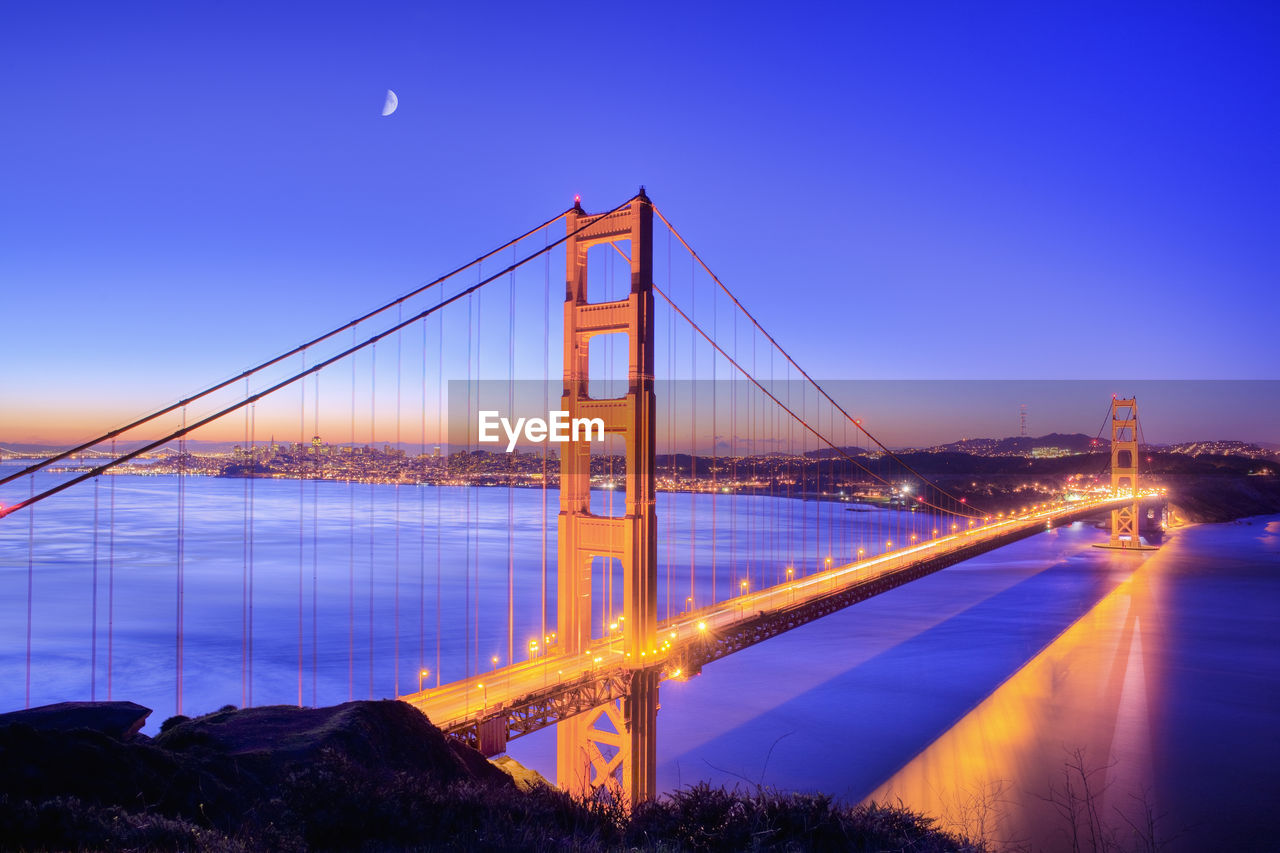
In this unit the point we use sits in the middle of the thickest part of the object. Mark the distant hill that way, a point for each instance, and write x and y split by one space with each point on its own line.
1017 445
27 450
1221 448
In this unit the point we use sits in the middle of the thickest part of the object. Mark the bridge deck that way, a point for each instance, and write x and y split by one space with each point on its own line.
535 693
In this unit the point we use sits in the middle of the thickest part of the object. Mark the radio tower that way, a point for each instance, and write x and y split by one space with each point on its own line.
1022 412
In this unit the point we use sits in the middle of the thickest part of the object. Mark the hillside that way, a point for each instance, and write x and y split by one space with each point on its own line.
361 776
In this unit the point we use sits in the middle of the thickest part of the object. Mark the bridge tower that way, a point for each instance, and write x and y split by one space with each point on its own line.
611 747
1124 474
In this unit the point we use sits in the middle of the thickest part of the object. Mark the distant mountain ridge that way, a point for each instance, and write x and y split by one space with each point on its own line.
1021 445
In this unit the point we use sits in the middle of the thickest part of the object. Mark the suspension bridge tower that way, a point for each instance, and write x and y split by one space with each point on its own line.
1124 476
611 747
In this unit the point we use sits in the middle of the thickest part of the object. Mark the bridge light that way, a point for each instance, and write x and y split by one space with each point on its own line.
702 626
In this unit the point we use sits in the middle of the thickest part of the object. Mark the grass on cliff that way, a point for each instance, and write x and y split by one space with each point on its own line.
336 805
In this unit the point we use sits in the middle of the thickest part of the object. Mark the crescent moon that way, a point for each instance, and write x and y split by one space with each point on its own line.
389 106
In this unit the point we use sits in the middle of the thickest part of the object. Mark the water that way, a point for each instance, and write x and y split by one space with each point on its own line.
316 592
966 694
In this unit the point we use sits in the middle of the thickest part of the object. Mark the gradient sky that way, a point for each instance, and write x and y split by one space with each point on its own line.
956 191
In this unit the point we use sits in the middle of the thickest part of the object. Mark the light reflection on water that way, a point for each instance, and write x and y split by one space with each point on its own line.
1001 773
965 694
1169 689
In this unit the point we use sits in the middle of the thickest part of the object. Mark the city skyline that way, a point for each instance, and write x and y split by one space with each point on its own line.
909 413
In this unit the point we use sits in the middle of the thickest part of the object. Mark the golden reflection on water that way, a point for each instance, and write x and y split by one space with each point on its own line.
1000 774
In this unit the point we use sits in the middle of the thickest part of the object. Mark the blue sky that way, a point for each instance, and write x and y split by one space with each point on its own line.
950 191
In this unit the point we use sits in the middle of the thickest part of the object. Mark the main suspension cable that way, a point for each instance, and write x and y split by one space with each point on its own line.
110 434
787 356
284 383
784 406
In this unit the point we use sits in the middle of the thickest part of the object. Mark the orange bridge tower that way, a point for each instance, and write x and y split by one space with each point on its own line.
1124 475
610 748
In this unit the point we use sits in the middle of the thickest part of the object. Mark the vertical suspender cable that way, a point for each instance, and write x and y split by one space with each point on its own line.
373 493
315 543
302 501
111 573
715 403
244 567
511 519
351 544
93 630
693 448
439 477
439 438
546 407
31 575
396 486
253 470
182 507
466 497
733 455
475 600
670 398
422 515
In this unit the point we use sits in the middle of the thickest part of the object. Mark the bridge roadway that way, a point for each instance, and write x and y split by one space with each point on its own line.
488 709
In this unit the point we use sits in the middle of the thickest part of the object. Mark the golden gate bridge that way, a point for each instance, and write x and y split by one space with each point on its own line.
662 356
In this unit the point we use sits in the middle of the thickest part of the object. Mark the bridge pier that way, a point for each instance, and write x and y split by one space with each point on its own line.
611 750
